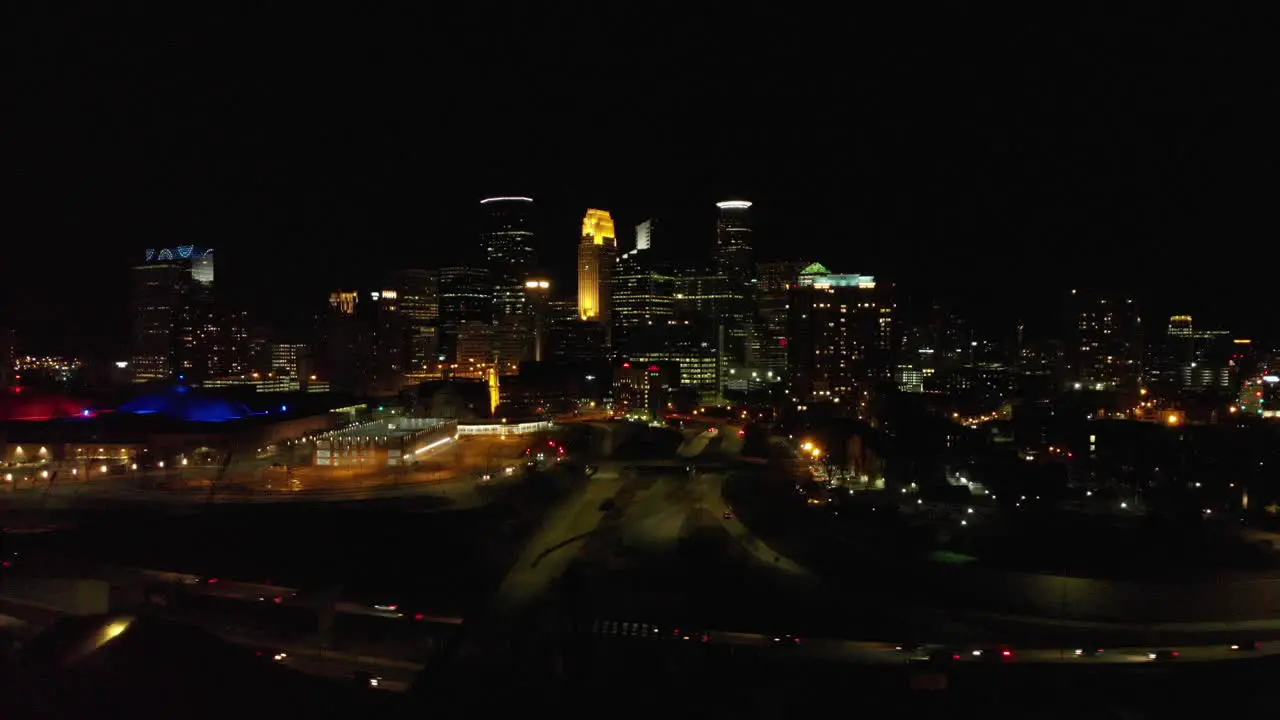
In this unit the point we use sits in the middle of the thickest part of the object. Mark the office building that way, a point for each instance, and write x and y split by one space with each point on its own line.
466 295
345 343
839 339
537 293
643 292
174 328
682 344
419 298
775 280
1104 342
506 234
734 247
597 253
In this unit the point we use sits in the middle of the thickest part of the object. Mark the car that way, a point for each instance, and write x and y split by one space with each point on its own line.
994 653
1246 646
365 679
912 650
691 635
727 515
1089 651
272 655
1163 655
943 656
786 639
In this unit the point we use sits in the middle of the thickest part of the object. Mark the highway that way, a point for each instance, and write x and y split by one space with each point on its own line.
882 653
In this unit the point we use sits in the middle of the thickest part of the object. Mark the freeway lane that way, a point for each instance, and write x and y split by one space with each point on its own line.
880 653
556 543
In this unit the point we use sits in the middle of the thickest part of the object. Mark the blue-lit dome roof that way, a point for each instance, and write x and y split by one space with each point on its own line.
183 403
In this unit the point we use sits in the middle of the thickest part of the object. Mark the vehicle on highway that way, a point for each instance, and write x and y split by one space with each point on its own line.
994 653
1163 655
691 635
942 656
273 655
728 515
365 679
913 651
1246 646
786 640
1089 651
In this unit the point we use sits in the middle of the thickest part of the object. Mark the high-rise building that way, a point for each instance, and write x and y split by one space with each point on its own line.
506 234
538 299
346 343
419 296
174 329
839 338
775 282
733 261
597 253
643 292
466 295
1191 360
1104 342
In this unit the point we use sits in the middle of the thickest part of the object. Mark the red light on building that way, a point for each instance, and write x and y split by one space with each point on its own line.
654 368
626 364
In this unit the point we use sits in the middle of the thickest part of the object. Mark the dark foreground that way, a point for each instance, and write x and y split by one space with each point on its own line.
172 673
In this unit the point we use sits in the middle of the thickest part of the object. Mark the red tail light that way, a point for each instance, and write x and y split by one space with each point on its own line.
418 616
277 599
1007 653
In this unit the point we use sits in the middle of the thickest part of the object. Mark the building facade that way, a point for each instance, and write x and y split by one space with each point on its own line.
597 253
839 338
174 328
1104 342
506 234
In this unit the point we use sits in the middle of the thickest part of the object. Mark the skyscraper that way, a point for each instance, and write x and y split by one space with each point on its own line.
733 248
506 233
733 262
466 296
174 330
643 293
419 295
597 253
775 281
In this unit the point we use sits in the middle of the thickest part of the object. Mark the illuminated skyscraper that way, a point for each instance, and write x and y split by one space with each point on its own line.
733 241
733 262
597 253
506 233
174 329
643 293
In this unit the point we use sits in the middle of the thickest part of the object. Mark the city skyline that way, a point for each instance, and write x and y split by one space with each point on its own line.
993 192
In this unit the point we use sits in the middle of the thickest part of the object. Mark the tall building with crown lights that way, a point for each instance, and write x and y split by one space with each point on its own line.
506 233
174 328
733 249
597 253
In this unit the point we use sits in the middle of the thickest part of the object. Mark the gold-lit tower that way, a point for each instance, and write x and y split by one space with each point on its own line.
597 253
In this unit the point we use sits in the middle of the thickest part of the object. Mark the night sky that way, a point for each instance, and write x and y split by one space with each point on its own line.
993 159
